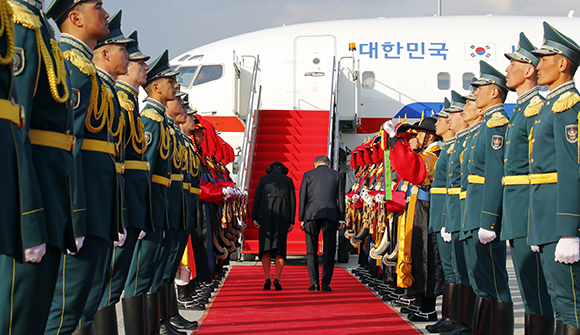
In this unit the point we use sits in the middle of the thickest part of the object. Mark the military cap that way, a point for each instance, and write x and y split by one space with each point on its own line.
523 52
160 68
427 124
187 105
443 112
457 102
471 95
489 75
135 53
180 94
556 43
59 8
115 35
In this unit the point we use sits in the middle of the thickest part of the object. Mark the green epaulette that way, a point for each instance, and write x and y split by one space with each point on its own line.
565 102
125 102
497 120
80 61
534 106
24 16
152 115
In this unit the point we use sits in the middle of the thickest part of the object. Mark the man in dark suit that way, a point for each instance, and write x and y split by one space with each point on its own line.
321 207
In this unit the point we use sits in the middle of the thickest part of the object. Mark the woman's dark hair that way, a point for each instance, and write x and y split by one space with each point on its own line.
277 166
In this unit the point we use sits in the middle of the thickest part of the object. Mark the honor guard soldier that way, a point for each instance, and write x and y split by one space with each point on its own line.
460 296
44 93
522 76
137 196
482 219
554 179
12 250
95 202
438 203
111 60
161 87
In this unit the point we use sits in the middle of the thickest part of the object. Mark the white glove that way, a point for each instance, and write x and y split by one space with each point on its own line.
567 250
486 236
380 198
79 241
445 235
122 238
34 254
535 248
388 126
142 234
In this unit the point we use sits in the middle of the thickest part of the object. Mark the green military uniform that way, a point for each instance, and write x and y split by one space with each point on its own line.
555 191
47 160
96 181
11 120
516 198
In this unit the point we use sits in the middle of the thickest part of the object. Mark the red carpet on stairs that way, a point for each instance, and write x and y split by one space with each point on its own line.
242 307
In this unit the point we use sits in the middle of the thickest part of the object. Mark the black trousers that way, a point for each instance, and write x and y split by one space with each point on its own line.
312 230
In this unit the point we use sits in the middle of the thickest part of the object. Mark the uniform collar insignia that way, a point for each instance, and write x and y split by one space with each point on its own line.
493 109
528 95
449 141
77 44
107 78
156 105
462 133
128 87
475 127
561 89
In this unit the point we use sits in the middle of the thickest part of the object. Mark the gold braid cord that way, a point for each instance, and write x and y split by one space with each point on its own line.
121 125
7 30
164 143
26 18
137 135
193 163
177 153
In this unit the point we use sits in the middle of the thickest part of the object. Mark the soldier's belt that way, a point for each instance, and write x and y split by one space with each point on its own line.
454 191
515 180
52 139
195 190
475 179
137 165
176 177
186 186
157 179
12 112
100 146
120 167
544 178
462 195
438 190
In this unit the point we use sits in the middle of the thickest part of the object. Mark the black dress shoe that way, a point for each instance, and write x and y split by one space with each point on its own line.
422 317
410 309
459 330
314 288
267 284
167 329
442 326
326 288
277 285
180 322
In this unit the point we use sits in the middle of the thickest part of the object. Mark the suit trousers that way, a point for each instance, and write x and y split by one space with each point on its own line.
446 254
312 230
143 264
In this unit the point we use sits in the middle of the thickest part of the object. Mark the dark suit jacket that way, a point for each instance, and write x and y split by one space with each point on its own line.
321 195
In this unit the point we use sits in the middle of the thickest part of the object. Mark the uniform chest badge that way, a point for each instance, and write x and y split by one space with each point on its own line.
497 142
76 98
19 61
148 137
572 133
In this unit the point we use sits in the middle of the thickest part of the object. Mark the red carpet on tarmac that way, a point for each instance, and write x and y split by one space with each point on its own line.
242 307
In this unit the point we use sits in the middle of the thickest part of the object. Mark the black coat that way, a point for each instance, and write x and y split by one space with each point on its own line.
321 195
274 208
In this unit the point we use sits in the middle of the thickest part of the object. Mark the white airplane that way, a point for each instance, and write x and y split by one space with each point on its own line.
359 73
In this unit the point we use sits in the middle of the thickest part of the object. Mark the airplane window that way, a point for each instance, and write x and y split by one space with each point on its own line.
467 76
183 58
208 73
196 57
443 81
368 80
186 74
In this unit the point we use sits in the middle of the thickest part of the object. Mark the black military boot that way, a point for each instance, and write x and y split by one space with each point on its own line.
105 322
85 330
448 310
562 329
175 319
153 313
502 317
535 324
135 315
465 310
482 317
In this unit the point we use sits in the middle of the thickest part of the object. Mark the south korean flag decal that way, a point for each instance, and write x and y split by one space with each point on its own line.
572 133
497 142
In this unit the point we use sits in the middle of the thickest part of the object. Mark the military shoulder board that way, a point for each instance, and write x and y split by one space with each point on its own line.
497 120
151 114
565 102
534 106
125 102
24 16
80 61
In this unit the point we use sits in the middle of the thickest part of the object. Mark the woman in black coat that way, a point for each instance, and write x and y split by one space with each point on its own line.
273 213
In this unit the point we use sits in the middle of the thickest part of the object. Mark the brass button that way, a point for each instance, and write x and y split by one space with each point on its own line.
533 140
519 109
531 160
548 103
505 160
536 122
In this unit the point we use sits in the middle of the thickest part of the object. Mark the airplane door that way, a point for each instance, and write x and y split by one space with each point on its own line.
313 57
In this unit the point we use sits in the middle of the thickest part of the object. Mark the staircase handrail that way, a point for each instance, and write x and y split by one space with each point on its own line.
332 116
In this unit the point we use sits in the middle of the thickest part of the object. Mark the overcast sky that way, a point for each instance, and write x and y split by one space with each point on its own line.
181 25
